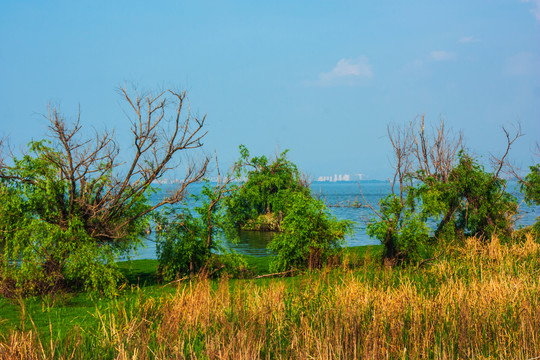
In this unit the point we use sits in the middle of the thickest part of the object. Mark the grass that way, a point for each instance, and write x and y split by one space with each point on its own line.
478 300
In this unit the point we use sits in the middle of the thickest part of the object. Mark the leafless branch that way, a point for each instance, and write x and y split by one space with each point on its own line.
163 130
500 162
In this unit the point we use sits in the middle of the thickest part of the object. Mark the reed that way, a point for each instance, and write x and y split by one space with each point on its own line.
478 301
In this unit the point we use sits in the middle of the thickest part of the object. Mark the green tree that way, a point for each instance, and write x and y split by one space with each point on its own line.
260 201
530 187
70 207
439 192
46 248
486 208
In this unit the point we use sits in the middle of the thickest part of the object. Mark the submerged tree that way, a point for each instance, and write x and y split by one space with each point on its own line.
69 207
274 196
260 202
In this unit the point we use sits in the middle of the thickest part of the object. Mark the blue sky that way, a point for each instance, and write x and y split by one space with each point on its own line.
321 78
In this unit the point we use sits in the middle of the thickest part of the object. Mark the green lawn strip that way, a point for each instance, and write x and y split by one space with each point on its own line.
139 272
259 265
363 251
61 314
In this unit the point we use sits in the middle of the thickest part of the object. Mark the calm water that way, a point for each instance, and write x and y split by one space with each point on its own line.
338 196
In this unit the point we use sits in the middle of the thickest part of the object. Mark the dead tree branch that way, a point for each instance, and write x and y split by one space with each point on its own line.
104 191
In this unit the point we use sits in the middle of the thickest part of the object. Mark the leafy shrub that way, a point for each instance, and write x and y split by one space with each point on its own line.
530 187
309 235
403 230
188 241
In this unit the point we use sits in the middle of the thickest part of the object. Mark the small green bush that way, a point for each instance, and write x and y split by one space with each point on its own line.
188 241
310 235
530 187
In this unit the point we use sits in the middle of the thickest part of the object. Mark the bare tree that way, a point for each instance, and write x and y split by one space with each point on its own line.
453 186
434 153
418 156
103 190
435 156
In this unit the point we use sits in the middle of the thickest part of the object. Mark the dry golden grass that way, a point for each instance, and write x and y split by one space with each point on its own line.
481 301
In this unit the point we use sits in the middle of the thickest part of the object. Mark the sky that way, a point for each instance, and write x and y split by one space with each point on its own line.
323 79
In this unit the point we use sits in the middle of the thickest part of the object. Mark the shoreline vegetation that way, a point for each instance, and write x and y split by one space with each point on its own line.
479 299
453 278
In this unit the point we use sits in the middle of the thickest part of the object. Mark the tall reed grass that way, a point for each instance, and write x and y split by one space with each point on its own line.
478 301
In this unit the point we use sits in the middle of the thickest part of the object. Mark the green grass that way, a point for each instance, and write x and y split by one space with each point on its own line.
139 272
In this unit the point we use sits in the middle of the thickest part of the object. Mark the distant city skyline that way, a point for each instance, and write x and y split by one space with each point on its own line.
341 177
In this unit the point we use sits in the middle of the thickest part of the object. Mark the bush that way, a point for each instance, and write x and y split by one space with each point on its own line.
188 241
309 235
402 230
530 187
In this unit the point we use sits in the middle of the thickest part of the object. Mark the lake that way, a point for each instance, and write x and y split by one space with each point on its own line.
339 196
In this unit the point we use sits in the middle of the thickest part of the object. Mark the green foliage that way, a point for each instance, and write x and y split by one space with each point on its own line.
471 202
274 197
486 208
403 229
530 187
188 240
266 190
309 235
47 238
